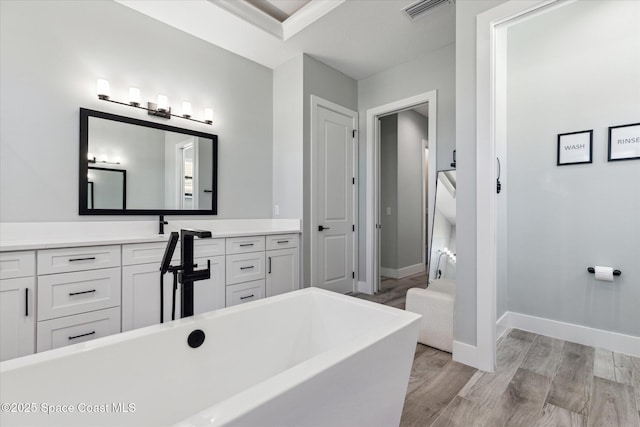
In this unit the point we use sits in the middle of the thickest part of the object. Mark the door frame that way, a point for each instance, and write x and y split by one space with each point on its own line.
491 119
316 102
372 256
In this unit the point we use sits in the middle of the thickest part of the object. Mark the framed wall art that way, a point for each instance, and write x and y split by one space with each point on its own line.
624 142
575 147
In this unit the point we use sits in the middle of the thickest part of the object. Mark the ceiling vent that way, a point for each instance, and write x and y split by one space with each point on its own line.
420 8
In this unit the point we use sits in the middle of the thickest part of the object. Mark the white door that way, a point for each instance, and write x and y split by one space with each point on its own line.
333 195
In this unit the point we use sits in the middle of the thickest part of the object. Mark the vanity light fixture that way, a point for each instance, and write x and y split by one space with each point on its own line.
91 158
159 109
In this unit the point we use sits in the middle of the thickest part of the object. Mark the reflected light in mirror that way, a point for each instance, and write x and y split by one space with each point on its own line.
186 109
163 103
134 96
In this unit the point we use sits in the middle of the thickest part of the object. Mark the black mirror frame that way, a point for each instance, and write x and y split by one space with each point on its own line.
84 166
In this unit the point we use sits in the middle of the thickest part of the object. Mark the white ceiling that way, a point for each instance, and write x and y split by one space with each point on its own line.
358 37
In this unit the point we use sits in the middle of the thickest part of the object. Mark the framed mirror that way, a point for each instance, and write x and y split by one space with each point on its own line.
442 259
135 167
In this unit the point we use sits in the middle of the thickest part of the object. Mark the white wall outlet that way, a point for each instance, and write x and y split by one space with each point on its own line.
388 211
276 209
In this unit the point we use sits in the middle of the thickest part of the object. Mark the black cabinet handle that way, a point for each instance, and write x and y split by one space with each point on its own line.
250 296
246 268
82 335
245 244
80 293
208 191
282 241
269 265
26 302
321 227
91 258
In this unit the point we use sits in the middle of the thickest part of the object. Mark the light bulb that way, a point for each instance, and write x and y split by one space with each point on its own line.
90 156
208 115
134 96
102 89
186 109
163 103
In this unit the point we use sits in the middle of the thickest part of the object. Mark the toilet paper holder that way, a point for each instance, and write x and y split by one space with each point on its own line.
593 270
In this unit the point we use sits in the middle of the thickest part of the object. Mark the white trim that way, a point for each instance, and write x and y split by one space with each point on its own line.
362 286
399 273
599 338
491 52
373 175
425 146
306 16
501 326
464 353
316 102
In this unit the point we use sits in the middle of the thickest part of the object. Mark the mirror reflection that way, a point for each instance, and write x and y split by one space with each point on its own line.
442 260
139 167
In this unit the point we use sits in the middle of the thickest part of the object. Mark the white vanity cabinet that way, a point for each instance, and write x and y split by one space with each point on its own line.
283 274
141 282
17 293
246 269
78 295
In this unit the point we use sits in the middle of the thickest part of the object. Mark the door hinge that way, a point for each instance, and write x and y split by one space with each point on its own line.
353 180
353 133
353 227
353 274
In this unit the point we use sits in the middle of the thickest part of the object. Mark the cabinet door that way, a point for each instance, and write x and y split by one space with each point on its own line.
282 271
209 294
17 317
141 296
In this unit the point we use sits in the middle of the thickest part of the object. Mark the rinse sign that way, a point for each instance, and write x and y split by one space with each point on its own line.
624 142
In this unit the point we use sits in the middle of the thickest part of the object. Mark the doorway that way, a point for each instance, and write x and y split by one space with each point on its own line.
374 206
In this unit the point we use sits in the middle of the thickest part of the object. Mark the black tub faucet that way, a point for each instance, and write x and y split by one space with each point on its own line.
188 275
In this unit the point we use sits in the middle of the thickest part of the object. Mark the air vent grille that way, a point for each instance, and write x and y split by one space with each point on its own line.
418 9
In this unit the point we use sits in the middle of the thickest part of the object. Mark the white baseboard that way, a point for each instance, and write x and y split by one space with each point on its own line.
612 341
401 272
465 353
501 326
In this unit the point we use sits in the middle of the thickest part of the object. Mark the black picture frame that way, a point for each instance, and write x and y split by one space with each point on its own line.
83 202
611 136
569 138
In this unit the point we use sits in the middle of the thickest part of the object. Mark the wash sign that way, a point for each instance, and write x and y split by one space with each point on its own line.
574 147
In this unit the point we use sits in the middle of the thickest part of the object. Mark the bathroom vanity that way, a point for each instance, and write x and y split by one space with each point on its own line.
60 291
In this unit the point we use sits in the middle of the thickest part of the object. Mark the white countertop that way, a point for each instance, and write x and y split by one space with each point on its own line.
33 236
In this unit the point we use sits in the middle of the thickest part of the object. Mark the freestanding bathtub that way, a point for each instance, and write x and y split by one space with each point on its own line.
306 358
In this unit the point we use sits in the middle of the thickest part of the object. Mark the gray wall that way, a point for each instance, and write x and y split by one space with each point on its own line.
434 70
321 80
465 113
412 129
389 191
287 138
562 219
52 54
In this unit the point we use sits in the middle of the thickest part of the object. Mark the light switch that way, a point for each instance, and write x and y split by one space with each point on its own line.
276 209
388 211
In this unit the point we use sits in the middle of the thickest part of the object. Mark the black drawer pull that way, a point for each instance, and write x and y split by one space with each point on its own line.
246 244
26 302
83 335
80 293
283 241
91 258
246 268
249 296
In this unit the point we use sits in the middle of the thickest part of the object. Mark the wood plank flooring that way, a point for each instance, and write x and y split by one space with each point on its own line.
539 381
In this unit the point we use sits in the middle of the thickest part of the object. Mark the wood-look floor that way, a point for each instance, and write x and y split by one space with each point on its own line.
539 381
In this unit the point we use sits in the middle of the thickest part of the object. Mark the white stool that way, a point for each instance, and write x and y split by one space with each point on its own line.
435 304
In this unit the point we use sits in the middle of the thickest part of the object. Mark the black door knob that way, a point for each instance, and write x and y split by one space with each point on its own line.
321 227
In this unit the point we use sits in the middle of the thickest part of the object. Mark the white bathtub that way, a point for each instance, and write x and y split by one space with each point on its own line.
307 358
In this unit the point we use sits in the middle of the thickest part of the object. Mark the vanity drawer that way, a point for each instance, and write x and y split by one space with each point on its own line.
17 264
72 293
245 292
147 253
245 267
239 245
78 259
76 329
208 247
282 241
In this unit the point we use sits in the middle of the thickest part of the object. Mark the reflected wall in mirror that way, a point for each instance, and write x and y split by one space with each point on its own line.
135 167
442 259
